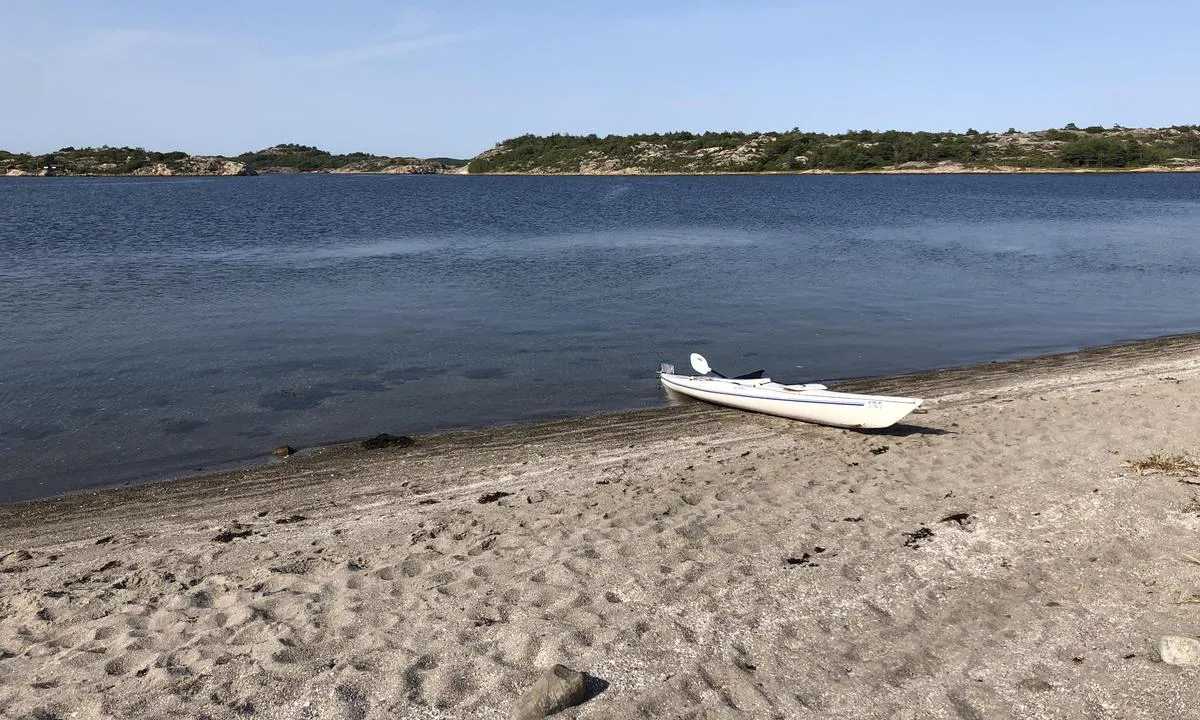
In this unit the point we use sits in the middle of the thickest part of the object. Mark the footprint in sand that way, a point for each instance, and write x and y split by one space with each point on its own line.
412 566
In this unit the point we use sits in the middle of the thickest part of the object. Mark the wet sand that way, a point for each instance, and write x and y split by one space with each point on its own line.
990 557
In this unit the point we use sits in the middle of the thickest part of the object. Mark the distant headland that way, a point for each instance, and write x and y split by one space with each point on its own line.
1067 149
287 158
1058 150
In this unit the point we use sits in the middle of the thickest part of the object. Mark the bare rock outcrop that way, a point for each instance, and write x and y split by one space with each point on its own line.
418 169
203 165
154 170
195 165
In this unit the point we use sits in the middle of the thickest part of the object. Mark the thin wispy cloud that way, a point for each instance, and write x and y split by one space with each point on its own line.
119 41
411 21
388 48
102 44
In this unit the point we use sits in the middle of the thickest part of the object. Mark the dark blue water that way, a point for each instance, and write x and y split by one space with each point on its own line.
151 327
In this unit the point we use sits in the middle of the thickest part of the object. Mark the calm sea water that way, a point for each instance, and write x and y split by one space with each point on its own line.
152 327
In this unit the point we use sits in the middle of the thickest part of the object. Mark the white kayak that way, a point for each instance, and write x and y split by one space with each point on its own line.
811 402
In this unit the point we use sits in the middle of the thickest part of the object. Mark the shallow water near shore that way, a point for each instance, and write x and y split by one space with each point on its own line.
159 326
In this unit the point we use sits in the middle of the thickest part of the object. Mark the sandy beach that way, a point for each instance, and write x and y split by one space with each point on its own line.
991 557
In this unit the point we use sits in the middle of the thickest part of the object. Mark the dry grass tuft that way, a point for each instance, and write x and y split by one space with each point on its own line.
1167 464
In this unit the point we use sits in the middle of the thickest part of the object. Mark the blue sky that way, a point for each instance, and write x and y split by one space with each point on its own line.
452 78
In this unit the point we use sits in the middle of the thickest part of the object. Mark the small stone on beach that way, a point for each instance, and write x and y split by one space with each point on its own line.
557 689
1179 650
17 556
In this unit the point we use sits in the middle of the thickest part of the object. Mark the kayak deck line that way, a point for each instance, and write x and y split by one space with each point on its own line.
668 381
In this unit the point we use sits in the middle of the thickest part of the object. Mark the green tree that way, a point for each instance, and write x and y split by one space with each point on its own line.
1104 152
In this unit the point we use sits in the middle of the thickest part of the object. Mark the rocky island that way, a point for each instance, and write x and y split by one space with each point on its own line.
287 158
1068 149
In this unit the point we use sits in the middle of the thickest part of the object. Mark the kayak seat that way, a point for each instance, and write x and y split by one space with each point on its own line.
806 386
757 374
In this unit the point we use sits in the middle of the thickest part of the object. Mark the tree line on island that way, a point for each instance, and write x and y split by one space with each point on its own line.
858 150
1067 148
284 158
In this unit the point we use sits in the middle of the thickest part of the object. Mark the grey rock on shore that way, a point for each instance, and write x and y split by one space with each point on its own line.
1179 650
557 689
